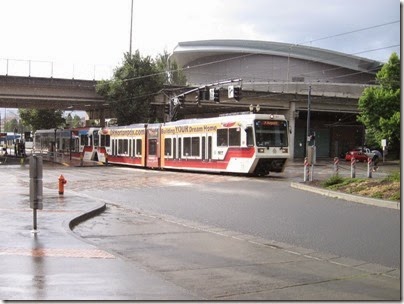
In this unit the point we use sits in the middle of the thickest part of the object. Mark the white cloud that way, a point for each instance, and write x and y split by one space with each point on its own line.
97 31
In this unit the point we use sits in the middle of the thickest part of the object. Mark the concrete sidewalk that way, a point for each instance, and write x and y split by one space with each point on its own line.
54 264
173 259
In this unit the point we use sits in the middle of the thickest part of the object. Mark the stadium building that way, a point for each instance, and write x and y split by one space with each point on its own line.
284 79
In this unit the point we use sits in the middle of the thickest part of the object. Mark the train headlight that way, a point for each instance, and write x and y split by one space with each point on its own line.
285 150
261 150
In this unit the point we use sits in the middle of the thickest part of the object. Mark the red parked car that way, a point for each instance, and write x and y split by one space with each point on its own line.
362 154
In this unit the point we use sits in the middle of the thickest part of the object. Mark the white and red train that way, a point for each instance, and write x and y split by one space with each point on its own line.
252 144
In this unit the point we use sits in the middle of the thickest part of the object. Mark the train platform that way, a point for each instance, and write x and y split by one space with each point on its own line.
53 263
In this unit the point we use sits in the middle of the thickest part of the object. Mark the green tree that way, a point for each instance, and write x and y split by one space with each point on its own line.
173 75
76 121
73 122
11 125
41 118
380 106
132 89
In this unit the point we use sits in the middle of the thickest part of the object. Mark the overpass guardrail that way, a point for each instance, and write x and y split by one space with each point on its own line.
52 69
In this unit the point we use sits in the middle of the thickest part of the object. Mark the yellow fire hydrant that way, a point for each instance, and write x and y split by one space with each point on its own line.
62 182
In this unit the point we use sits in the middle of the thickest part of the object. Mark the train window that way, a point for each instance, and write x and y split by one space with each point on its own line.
96 139
175 148
203 147
179 147
271 133
130 152
138 147
167 147
83 139
209 147
250 137
187 146
152 146
123 147
105 140
195 146
222 138
234 137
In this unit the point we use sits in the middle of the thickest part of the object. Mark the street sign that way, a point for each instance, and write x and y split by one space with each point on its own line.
211 94
230 91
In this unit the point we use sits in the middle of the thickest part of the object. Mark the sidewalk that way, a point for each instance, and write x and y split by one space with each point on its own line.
54 264
210 263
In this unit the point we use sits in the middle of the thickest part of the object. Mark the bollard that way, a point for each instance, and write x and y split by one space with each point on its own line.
81 159
306 171
35 187
311 172
62 183
353 167
370 167
336 165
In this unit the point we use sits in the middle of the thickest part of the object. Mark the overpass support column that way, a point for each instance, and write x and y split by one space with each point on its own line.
102 118
291 116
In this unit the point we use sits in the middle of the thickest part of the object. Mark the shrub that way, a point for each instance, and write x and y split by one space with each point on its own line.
393 177
333 180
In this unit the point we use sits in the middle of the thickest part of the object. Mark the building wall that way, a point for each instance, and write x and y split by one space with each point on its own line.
268 68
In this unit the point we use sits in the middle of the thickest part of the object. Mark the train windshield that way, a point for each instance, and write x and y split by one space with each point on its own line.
271 133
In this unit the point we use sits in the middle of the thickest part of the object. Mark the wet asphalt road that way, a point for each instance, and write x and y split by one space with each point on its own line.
164 236
266 207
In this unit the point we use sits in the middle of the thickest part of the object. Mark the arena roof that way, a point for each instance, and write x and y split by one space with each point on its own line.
187 52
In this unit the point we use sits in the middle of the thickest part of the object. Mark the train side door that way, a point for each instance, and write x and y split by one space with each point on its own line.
153 147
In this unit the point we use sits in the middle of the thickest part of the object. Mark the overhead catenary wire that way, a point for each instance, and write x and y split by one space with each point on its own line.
350 32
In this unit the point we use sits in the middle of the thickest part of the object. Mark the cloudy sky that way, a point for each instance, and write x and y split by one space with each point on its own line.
96 32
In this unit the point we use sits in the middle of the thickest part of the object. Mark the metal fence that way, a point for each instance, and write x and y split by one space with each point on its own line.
50 69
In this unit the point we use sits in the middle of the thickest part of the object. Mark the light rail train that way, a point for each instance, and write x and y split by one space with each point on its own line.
67 141
253 144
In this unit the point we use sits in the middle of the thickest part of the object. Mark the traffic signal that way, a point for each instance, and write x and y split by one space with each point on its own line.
237 93
181 99
216 95
200 95
167 108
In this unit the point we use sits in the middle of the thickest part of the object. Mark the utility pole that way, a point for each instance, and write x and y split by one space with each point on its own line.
131 23
308 122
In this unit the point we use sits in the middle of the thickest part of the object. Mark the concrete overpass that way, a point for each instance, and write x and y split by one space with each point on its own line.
52 93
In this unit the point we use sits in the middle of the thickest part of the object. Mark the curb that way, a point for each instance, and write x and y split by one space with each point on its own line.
87 215
348 197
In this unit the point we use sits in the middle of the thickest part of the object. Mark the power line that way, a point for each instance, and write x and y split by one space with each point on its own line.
350 32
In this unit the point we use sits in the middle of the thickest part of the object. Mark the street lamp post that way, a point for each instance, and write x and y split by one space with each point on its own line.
308 122
131 22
